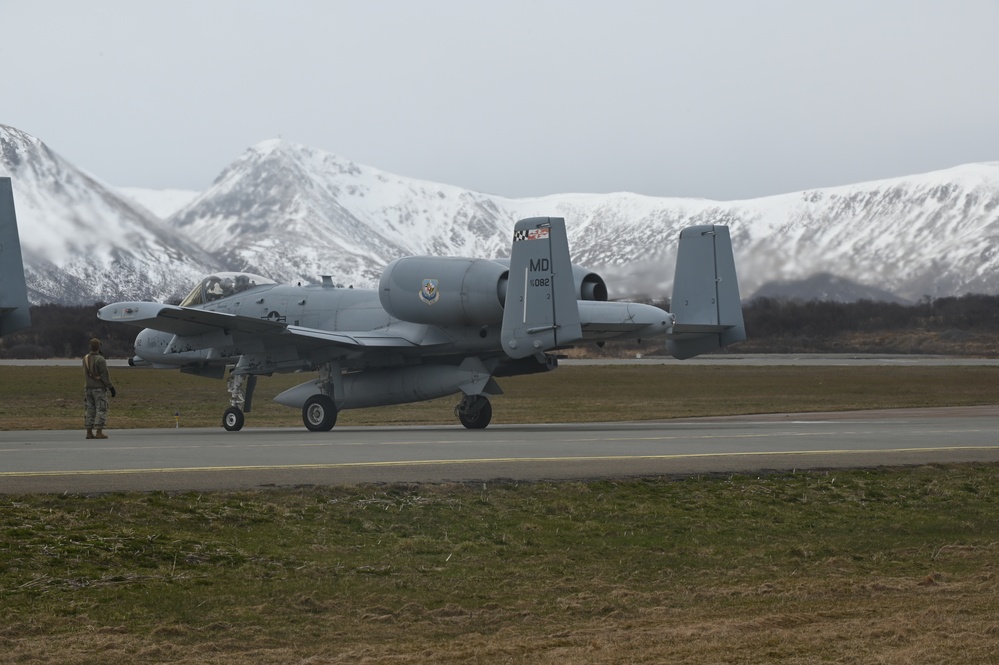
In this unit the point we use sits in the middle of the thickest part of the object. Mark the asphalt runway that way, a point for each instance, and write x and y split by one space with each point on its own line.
213 459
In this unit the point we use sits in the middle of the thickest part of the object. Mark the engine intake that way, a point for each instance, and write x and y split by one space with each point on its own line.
589 285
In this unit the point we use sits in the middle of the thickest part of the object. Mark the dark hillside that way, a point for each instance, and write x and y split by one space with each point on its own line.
64 331
965 325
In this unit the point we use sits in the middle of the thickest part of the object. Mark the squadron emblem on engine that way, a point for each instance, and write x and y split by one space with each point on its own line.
429 293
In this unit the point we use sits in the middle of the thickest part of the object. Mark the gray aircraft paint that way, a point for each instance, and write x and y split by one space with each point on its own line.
14 312
706 299
541 311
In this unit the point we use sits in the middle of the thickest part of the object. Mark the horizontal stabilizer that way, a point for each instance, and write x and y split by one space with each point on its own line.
706 301
14 312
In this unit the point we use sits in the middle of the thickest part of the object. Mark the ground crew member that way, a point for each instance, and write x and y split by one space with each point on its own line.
97 388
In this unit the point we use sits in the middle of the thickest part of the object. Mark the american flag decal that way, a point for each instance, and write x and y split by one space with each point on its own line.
531 234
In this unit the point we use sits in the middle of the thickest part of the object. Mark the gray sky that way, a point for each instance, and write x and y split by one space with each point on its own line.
723 100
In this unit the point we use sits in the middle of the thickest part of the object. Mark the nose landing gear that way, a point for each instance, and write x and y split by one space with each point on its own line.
232 419
240 387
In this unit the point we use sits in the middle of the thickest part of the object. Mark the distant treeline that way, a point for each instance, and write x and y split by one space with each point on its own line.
65 331
774 317
772 324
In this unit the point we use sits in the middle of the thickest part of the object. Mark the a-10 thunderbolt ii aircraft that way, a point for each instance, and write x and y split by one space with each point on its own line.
435 326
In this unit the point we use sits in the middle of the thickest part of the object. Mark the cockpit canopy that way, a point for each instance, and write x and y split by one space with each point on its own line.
222 285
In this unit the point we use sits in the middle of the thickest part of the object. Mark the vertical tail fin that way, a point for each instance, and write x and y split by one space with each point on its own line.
706 299
541 311
14 314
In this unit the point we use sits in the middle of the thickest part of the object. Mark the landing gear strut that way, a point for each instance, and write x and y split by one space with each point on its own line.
240 388
474 411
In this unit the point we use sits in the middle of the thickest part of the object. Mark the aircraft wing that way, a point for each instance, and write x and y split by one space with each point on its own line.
370 338
199 328
185 321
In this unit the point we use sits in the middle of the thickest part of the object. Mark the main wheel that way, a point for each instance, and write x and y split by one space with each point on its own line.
232 419
319 413
476 414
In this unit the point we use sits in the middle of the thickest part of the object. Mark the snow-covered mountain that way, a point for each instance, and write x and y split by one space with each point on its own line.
81 241
160 202
932 234
295 213
823 286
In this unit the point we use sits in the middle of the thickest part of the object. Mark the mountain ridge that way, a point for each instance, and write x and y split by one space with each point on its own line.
81 240
295 213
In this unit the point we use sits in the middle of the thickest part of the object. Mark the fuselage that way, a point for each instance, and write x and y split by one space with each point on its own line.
349 310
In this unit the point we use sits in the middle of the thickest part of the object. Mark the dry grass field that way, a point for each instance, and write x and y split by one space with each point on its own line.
52 397
868 566
865 566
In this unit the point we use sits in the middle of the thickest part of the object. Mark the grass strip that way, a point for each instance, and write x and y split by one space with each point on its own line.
888 565
52 397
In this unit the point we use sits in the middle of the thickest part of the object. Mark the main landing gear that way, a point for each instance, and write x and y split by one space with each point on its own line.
319 413
474 411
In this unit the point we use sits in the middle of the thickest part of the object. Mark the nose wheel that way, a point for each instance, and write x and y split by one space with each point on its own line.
232 419
474 411
240 388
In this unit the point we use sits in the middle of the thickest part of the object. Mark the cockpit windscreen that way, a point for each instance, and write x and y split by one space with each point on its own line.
222 285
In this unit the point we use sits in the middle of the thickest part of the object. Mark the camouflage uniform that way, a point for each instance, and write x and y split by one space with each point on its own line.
98 385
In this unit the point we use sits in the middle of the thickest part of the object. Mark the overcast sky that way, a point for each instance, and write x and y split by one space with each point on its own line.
723 100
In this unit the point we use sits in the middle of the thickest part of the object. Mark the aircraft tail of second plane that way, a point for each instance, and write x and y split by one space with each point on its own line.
14 313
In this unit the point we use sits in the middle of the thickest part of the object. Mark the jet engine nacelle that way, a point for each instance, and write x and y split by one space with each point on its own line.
444 291
589 285
455 291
